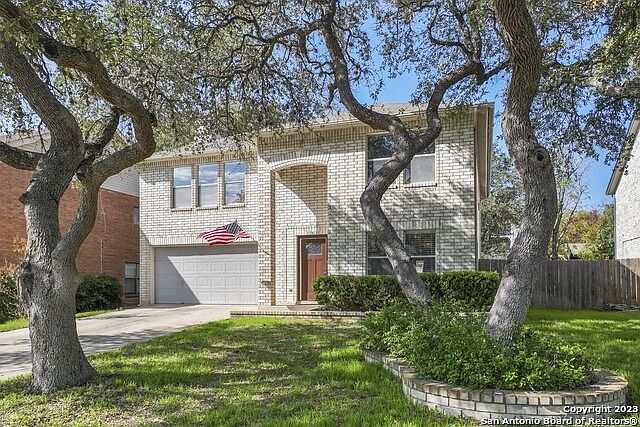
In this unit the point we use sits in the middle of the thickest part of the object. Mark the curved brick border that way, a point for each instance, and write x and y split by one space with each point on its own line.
482 404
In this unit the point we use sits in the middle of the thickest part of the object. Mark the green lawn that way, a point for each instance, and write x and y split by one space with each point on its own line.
23 322
612 338
275 372
241 372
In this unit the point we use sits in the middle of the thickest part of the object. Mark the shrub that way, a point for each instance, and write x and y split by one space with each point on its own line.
10 307
98 293
473 289
443 343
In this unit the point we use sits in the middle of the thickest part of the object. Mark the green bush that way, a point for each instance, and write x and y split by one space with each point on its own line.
446 344
10 307
473 289
98 293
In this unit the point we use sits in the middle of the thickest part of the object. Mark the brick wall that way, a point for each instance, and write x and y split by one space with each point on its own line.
627 201
300 209
310 183
113 241
161 225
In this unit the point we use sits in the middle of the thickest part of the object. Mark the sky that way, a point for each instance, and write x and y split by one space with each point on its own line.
597 175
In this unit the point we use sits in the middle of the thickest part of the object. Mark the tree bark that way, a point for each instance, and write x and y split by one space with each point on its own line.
49 279
533 163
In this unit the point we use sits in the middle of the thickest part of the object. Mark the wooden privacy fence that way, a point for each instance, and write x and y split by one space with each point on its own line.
582 284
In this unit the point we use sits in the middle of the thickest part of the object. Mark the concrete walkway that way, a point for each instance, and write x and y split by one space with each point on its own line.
112 330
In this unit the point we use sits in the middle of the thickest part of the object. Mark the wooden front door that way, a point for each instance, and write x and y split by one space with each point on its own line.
313 263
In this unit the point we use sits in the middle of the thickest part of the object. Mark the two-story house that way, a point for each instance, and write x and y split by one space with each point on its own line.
297 194
624 186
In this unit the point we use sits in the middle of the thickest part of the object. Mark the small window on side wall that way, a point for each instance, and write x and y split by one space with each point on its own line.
208 185
131 278
234 174
181 187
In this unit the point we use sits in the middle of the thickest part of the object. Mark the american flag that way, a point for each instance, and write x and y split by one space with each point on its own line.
225 234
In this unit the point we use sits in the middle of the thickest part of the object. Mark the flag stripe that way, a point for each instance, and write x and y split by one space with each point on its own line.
225 234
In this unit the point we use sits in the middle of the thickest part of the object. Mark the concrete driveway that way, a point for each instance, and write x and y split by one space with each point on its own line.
111 330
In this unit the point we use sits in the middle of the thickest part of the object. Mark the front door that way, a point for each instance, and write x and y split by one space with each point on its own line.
313 263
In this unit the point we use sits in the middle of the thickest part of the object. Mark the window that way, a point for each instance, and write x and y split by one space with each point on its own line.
421 246
136 216
377 261
208 185
234 182
131 278
380 149
421 170
182 187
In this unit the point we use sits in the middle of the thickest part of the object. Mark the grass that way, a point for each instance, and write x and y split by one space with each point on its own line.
241 372
277 372
611 338
23 322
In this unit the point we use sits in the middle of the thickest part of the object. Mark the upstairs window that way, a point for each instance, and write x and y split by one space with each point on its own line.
422 169
234 182
182 187
380 149
421 246
208 185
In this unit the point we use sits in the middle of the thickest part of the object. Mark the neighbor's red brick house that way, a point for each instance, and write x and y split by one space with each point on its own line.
111 249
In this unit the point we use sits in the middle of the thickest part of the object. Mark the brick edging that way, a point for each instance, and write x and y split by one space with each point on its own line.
608 392
315 315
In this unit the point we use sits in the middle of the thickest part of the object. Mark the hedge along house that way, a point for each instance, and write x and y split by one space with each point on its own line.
297 195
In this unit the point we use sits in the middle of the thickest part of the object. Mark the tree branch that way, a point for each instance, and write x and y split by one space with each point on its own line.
17 158
88 63
55 115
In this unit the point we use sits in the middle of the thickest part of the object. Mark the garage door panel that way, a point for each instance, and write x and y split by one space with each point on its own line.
206 275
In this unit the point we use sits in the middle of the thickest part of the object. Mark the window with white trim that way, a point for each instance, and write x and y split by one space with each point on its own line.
181 194
422 169
234 182
208 184
421 246
131 278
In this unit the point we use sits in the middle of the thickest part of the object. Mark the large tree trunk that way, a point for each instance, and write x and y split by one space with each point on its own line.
58 359
533 163
49 279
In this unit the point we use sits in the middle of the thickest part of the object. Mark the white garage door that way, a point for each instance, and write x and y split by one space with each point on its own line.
207 275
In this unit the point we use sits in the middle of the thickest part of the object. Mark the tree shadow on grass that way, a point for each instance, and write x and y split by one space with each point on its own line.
258 371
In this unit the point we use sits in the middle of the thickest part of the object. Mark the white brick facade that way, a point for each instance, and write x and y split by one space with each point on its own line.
625 187
309 183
